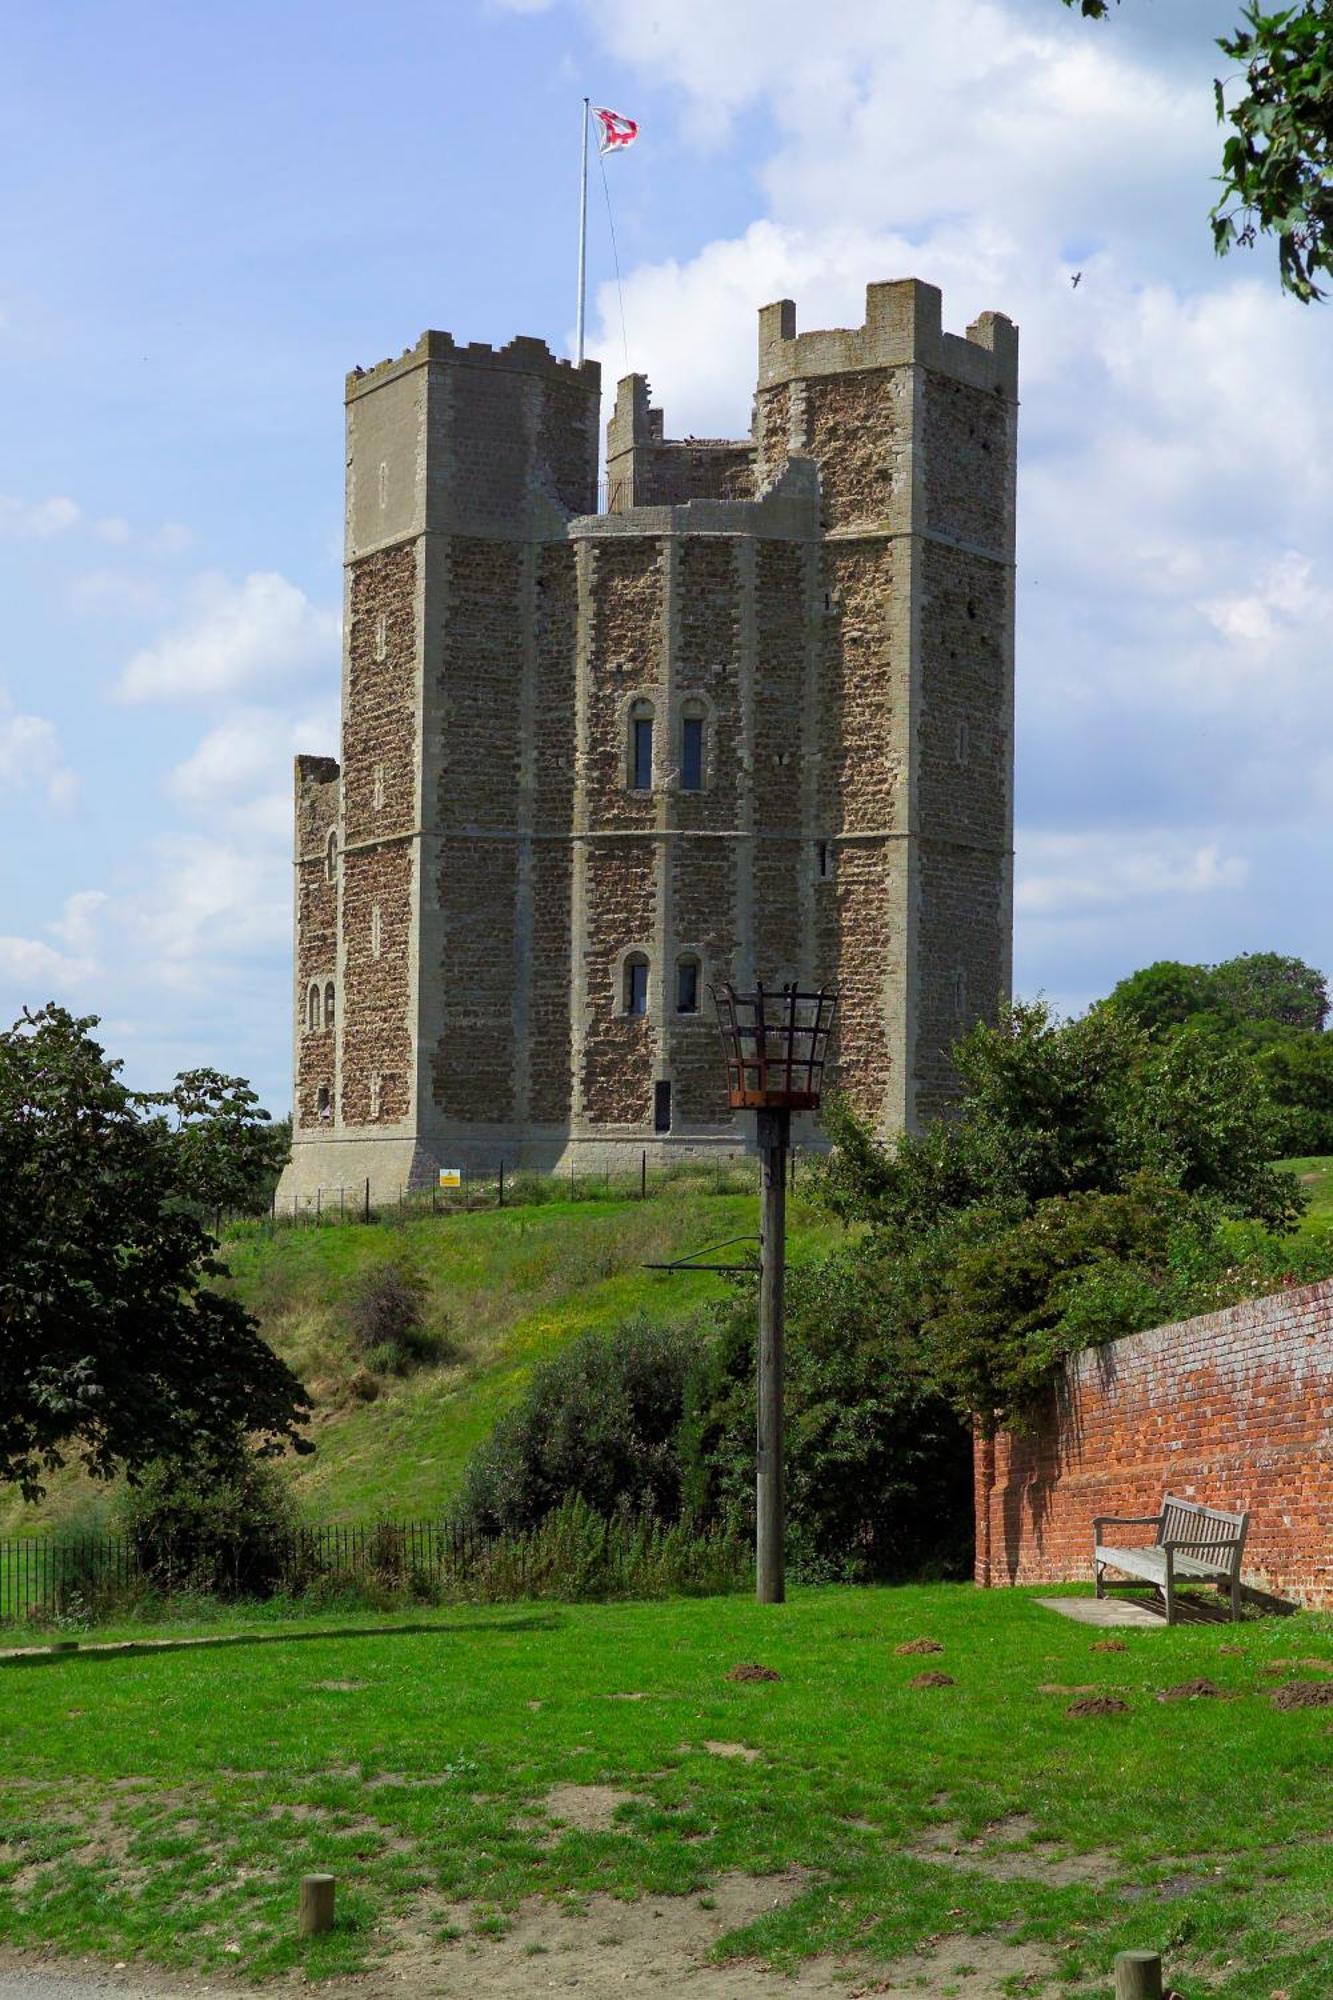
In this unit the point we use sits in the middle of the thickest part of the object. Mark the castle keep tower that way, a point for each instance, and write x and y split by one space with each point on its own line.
756 719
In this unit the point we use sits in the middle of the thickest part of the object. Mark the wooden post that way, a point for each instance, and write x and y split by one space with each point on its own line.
774 1133
643 1175
315 1913
367 1210
1138 1975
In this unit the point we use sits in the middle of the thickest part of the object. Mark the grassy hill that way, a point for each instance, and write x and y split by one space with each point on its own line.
510 1286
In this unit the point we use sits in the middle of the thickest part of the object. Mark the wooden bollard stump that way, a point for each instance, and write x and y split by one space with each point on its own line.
1138 1975
316 1909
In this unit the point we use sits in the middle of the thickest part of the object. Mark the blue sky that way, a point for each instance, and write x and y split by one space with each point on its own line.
208 215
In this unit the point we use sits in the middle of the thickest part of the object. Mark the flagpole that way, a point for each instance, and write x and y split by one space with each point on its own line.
583 234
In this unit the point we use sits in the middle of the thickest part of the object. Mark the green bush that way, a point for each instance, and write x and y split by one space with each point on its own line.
599 1423
879 1469
387 1314
226 1530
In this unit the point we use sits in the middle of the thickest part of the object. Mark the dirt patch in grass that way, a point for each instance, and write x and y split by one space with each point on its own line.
588 1808
932 1681
1007 1853
1059 1687
1098 1704
962 1968
1304 1694
338 1687
741 1751
910 1646
1194 1690
1111 1646
750 1670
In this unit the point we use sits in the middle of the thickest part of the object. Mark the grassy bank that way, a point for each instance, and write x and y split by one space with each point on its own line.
510 1286
164 1806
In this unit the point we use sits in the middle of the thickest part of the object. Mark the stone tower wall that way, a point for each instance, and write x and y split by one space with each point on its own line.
832 598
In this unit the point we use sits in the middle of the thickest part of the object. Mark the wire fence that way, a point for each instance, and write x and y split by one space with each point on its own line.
468 1190
45 1575
82 1579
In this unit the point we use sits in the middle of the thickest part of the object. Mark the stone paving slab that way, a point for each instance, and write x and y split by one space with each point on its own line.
1105 1611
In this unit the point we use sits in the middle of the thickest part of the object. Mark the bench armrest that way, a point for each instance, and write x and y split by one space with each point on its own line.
1126 1521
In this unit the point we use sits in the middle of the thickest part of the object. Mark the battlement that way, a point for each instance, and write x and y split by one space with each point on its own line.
644 467
903 324
524 354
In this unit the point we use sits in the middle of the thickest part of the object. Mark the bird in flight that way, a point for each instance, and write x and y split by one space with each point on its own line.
1074 281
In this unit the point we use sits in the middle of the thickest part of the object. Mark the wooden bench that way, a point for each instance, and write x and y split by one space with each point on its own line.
1194 1544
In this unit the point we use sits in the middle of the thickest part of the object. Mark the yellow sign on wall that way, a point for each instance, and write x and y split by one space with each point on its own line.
451 1177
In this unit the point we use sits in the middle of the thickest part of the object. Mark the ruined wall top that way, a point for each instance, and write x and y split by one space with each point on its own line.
903 323
524 354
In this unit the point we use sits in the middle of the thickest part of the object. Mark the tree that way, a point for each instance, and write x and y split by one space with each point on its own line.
1165 994
228 1152
112 1343
1277 162
1264 986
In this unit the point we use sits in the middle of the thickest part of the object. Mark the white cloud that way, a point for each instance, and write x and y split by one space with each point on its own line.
77 927
31 757
1079 874
37 520
37 972
234 635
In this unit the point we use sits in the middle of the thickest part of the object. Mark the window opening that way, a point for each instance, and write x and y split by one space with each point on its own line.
324 1104
374 1097
376 931
377 787
823 860
961 745
331 858
661 1107
381 635
687 986
636 985
312 1008
692 753
328 1005
643 753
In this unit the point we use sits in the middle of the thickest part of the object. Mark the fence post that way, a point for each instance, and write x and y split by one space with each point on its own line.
367 1198
643 1175
342 1203
319 1196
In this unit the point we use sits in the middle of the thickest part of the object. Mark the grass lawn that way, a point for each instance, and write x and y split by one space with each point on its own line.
164 1806
1316 1177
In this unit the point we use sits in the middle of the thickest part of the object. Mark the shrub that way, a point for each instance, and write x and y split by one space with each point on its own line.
387 1310
599 1422
879 1469
226 1529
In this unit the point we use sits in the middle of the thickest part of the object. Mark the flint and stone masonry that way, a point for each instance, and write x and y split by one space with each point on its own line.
754 720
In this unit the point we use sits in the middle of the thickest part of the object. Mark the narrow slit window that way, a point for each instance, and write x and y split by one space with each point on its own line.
636 985
324 1104
643 753
312 1011
331 858
661 1107
961 743
381 635
823 859
328 1005
374 1097
687 986
377 787
376 931
692 753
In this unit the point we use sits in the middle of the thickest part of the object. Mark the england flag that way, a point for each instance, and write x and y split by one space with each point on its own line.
616 131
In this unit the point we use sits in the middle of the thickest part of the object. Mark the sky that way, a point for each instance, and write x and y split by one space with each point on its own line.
208 215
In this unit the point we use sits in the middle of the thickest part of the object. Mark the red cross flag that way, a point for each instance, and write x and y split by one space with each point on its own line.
617 131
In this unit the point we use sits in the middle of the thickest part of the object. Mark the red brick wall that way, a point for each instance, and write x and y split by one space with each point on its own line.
1234 1409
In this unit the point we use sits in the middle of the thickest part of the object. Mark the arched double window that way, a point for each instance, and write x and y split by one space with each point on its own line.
634 997
640 746
312 1008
